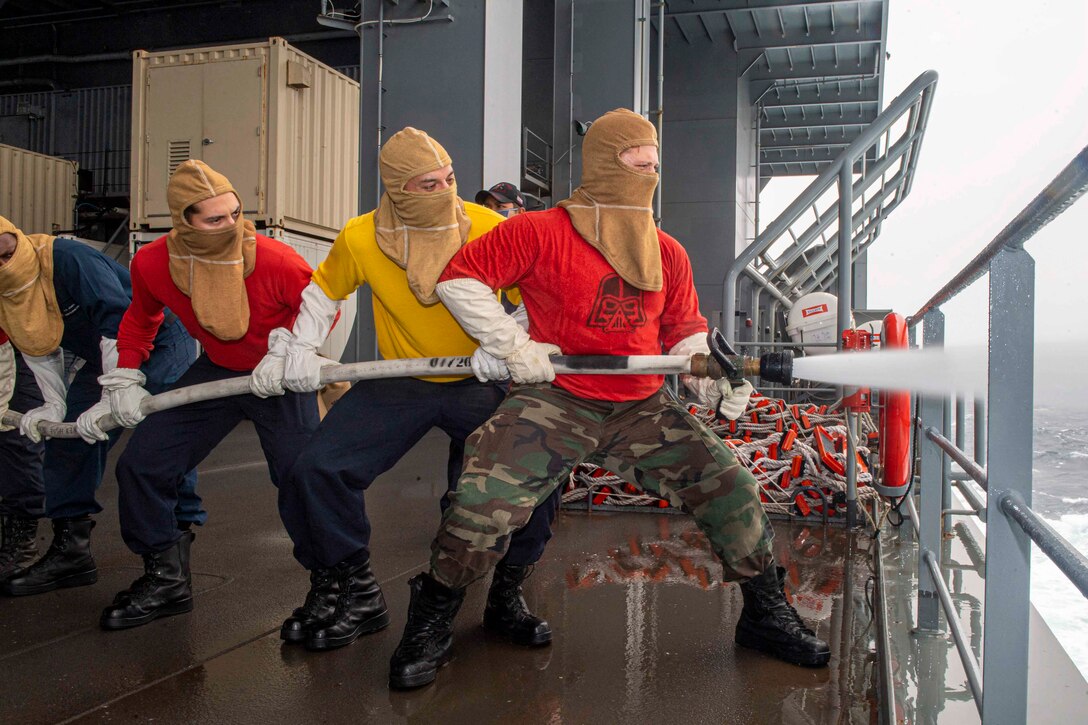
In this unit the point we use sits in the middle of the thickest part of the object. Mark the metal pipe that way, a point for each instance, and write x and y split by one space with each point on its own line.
360 200
970 665
973 499
127 56
922 85
971 468
660 107
570 110
378 100
912 514
1058 196
887 676
1065 556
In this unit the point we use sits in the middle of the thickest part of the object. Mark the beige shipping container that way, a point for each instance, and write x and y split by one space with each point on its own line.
37 192
282 126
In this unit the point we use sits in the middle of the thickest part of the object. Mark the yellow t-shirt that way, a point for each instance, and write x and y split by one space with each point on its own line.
405 328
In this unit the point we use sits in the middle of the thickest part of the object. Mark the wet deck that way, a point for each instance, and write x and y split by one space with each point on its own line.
643 633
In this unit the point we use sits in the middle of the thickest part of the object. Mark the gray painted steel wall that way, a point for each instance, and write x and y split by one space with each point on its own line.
708 160
90 126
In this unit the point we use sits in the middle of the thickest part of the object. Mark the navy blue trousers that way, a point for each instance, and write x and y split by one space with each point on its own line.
64 482
365 434
151 471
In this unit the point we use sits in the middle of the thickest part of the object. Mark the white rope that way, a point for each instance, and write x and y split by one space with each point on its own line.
764 429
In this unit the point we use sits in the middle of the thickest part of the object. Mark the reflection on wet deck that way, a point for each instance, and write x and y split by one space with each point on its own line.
643 628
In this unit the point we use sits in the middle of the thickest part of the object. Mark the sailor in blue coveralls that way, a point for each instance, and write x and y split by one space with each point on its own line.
60 296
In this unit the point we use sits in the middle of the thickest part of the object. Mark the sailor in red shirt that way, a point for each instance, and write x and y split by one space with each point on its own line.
597 277
232 289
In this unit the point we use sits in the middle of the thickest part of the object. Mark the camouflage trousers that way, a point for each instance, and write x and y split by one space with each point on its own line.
539 433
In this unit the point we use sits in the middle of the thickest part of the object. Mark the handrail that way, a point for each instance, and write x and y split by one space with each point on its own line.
971 468
1002 465
970 665
1064 555
919 91
1058 195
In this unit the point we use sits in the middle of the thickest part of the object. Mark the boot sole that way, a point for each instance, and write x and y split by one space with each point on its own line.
411 682
81 579
816 659
292 636
367 626
538 639
167 610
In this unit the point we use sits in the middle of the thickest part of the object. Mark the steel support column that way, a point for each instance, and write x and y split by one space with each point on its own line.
930 488
1009 430
846 281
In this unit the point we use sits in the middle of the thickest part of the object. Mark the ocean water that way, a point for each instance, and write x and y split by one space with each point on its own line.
1060 494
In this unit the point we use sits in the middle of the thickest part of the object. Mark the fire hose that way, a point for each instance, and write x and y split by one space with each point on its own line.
720 363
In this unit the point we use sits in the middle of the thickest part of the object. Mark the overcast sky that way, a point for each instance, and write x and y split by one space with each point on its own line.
1011 110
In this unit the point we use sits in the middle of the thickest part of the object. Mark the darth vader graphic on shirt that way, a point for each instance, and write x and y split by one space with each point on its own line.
619 306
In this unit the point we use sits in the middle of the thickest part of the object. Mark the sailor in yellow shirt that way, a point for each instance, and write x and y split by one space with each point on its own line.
399 250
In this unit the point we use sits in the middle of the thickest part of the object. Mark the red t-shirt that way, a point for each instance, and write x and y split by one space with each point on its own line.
274 289
576 300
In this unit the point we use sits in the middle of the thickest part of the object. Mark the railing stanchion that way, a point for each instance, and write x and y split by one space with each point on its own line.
980 432
946 469
1009 431
929 487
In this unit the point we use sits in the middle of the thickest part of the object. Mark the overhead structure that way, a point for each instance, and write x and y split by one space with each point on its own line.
815 70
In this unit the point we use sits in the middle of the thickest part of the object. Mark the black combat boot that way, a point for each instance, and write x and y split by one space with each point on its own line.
428 636
319 605
770 624
166 588
67 562
18 549
360 609
506 612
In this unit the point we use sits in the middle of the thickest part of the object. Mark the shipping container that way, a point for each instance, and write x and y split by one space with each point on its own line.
37 192
281 125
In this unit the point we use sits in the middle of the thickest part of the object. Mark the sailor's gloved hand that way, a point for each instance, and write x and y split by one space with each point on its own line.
49 374
316 315
125 388
302 373
52 412
487 367
87 423
266 379
734 399
530 363
706 391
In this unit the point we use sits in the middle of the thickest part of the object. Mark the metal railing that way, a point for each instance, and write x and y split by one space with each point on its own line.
1001 465
885 167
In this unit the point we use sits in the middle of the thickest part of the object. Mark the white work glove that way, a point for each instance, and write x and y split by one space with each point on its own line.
126 392
7 381
530 363
87 423
734 399
481 315
302 370
266 379
49 372
718 394
487 367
